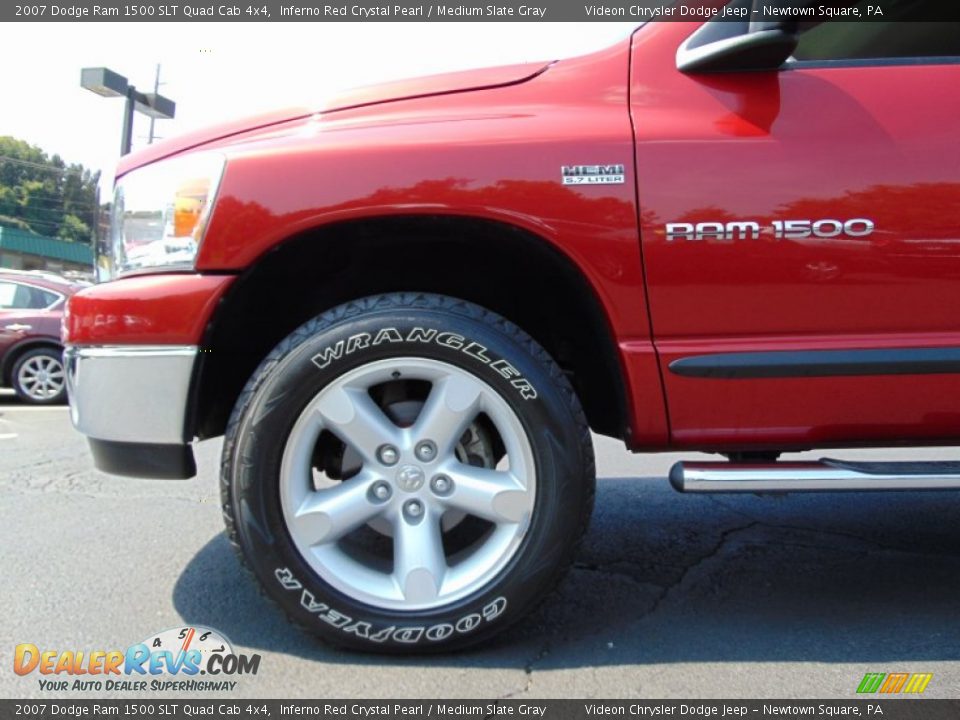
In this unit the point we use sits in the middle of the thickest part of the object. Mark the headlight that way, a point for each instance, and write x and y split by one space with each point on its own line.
159 215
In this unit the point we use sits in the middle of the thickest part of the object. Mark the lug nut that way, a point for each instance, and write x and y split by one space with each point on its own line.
381 491
414 509
426 451
388 455
441 484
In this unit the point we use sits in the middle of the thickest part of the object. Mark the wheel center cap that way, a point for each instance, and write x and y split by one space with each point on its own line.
410 478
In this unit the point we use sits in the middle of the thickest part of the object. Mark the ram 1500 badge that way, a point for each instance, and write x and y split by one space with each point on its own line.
778 229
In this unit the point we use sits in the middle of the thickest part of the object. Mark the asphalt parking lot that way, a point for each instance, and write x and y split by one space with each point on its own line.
672 597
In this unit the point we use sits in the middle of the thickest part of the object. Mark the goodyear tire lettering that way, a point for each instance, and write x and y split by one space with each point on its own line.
409 635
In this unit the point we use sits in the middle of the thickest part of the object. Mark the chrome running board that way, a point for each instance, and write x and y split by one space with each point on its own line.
821 476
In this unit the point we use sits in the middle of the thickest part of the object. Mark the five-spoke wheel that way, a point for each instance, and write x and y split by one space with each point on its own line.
410 477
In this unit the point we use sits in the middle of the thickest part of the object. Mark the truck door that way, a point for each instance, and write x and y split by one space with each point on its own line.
800 236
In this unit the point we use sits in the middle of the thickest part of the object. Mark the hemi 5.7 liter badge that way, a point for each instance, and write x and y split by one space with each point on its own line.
592 174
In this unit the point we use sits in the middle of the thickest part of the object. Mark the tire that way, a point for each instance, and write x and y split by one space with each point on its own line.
39 378
424 548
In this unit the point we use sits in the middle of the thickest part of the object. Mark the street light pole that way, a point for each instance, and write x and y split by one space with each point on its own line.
156 89
107 83
126 137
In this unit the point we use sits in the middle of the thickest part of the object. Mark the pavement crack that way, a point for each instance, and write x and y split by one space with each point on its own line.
622 567
528 669
713 552
826 532
618 567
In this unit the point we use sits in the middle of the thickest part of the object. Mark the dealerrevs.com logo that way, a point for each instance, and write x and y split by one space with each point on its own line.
173 660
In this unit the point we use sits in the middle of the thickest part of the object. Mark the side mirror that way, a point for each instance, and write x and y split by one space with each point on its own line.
751 46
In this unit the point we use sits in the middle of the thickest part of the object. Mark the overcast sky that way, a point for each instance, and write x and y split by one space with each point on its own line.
216 71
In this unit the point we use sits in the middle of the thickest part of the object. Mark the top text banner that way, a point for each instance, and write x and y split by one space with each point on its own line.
504 10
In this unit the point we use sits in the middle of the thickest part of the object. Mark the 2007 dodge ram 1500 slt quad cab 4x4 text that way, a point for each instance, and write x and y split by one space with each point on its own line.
405 312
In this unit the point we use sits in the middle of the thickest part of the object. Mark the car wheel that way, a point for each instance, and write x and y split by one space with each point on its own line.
39 378
407 472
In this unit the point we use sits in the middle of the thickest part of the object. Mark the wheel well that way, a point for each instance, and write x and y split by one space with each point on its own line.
500 267
14 354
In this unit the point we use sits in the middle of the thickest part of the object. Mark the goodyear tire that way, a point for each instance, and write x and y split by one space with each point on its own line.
407 472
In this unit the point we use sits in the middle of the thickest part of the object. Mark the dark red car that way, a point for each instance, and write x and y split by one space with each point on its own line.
31 309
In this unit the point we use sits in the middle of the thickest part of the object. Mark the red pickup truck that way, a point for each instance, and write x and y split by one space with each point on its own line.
407 311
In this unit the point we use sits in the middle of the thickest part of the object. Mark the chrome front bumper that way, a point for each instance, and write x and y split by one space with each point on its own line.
131 402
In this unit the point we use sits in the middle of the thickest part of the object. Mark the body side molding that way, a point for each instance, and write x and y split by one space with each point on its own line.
819 363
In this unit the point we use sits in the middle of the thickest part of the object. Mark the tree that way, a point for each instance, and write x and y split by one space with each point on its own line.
74 229
45 195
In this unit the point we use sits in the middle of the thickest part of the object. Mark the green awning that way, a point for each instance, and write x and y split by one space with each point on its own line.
17 240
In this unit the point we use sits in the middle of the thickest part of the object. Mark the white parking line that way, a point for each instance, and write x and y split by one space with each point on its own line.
8 436
32 408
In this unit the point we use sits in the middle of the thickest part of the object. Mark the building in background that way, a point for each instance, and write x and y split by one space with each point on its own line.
22 250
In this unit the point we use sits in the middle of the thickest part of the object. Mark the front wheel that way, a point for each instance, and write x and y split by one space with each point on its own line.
407 472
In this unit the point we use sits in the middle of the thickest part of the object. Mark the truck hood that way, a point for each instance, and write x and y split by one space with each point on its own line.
410 89
463 81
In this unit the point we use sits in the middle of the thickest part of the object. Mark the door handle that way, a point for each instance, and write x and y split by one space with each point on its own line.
17 327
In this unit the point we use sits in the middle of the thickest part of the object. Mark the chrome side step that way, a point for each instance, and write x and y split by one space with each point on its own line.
825 475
